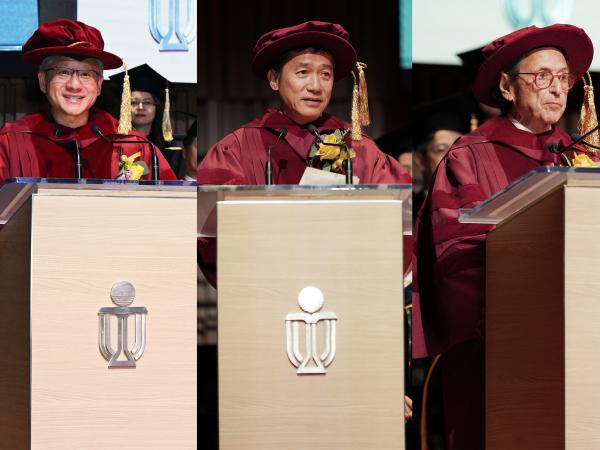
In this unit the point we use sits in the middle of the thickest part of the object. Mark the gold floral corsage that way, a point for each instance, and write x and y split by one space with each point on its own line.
583 160
330 158
130 168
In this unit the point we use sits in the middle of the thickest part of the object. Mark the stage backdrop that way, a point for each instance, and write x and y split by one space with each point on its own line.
148 32
442 29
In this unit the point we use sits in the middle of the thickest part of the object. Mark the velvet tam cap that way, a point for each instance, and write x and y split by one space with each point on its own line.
328 36
67 37
506 51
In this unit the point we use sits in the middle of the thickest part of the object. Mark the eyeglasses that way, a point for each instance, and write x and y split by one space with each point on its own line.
145 103
544 79
84 75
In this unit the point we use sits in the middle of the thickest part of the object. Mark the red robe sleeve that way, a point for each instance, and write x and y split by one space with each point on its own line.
4 159
380 168
449 287
222 163
164 168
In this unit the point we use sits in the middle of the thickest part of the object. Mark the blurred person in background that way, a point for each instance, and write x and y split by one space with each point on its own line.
150 113
190 147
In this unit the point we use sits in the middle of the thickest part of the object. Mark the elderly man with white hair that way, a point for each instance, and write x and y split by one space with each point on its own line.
528 75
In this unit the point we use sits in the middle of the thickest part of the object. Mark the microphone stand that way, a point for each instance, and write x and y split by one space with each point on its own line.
269 166
77 161
74 146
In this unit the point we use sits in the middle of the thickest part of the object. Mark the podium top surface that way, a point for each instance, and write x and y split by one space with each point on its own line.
17 190
89 183
208 196
526 190
304 188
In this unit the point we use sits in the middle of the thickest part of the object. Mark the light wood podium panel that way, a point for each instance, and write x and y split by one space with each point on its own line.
268 251
542 315
82 242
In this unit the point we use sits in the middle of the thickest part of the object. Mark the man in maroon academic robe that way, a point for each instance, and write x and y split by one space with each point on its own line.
528 74
46 144
300 64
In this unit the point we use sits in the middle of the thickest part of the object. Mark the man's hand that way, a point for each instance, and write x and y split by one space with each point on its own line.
407 409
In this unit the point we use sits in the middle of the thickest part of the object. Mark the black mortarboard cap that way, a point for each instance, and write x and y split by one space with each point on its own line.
396 142
471 62
447 113
144 78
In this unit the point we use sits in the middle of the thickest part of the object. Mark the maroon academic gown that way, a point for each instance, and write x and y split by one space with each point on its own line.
240 158
449 263
36 146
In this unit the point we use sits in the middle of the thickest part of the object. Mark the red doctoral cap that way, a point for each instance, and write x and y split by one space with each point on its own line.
329 36
506 51
69 38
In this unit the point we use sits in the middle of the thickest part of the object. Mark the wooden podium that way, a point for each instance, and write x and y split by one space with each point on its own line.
274 242
62 247
543 311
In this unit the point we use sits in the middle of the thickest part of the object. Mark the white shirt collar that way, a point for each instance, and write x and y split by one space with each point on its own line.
522 127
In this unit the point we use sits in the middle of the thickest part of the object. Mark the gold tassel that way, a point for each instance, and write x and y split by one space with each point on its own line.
167 130
473 123
125 113
588 118
363 95
355 115
360 102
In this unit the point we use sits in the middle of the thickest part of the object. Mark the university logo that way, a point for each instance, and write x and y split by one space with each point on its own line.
122 294
310 360
521 13
172 23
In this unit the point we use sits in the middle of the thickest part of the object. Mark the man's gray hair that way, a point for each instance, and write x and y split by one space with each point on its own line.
49 62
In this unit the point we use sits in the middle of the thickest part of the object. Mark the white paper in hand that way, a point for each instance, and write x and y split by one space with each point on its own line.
317 177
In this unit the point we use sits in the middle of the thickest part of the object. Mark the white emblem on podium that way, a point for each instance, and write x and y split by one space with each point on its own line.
122 294
310 300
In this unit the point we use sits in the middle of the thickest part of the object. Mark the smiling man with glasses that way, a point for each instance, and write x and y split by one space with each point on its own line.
528 75
71 59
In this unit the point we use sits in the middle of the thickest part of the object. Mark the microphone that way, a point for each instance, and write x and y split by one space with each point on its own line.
318 140
96 129
269 166
77 160
555 147
74 146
